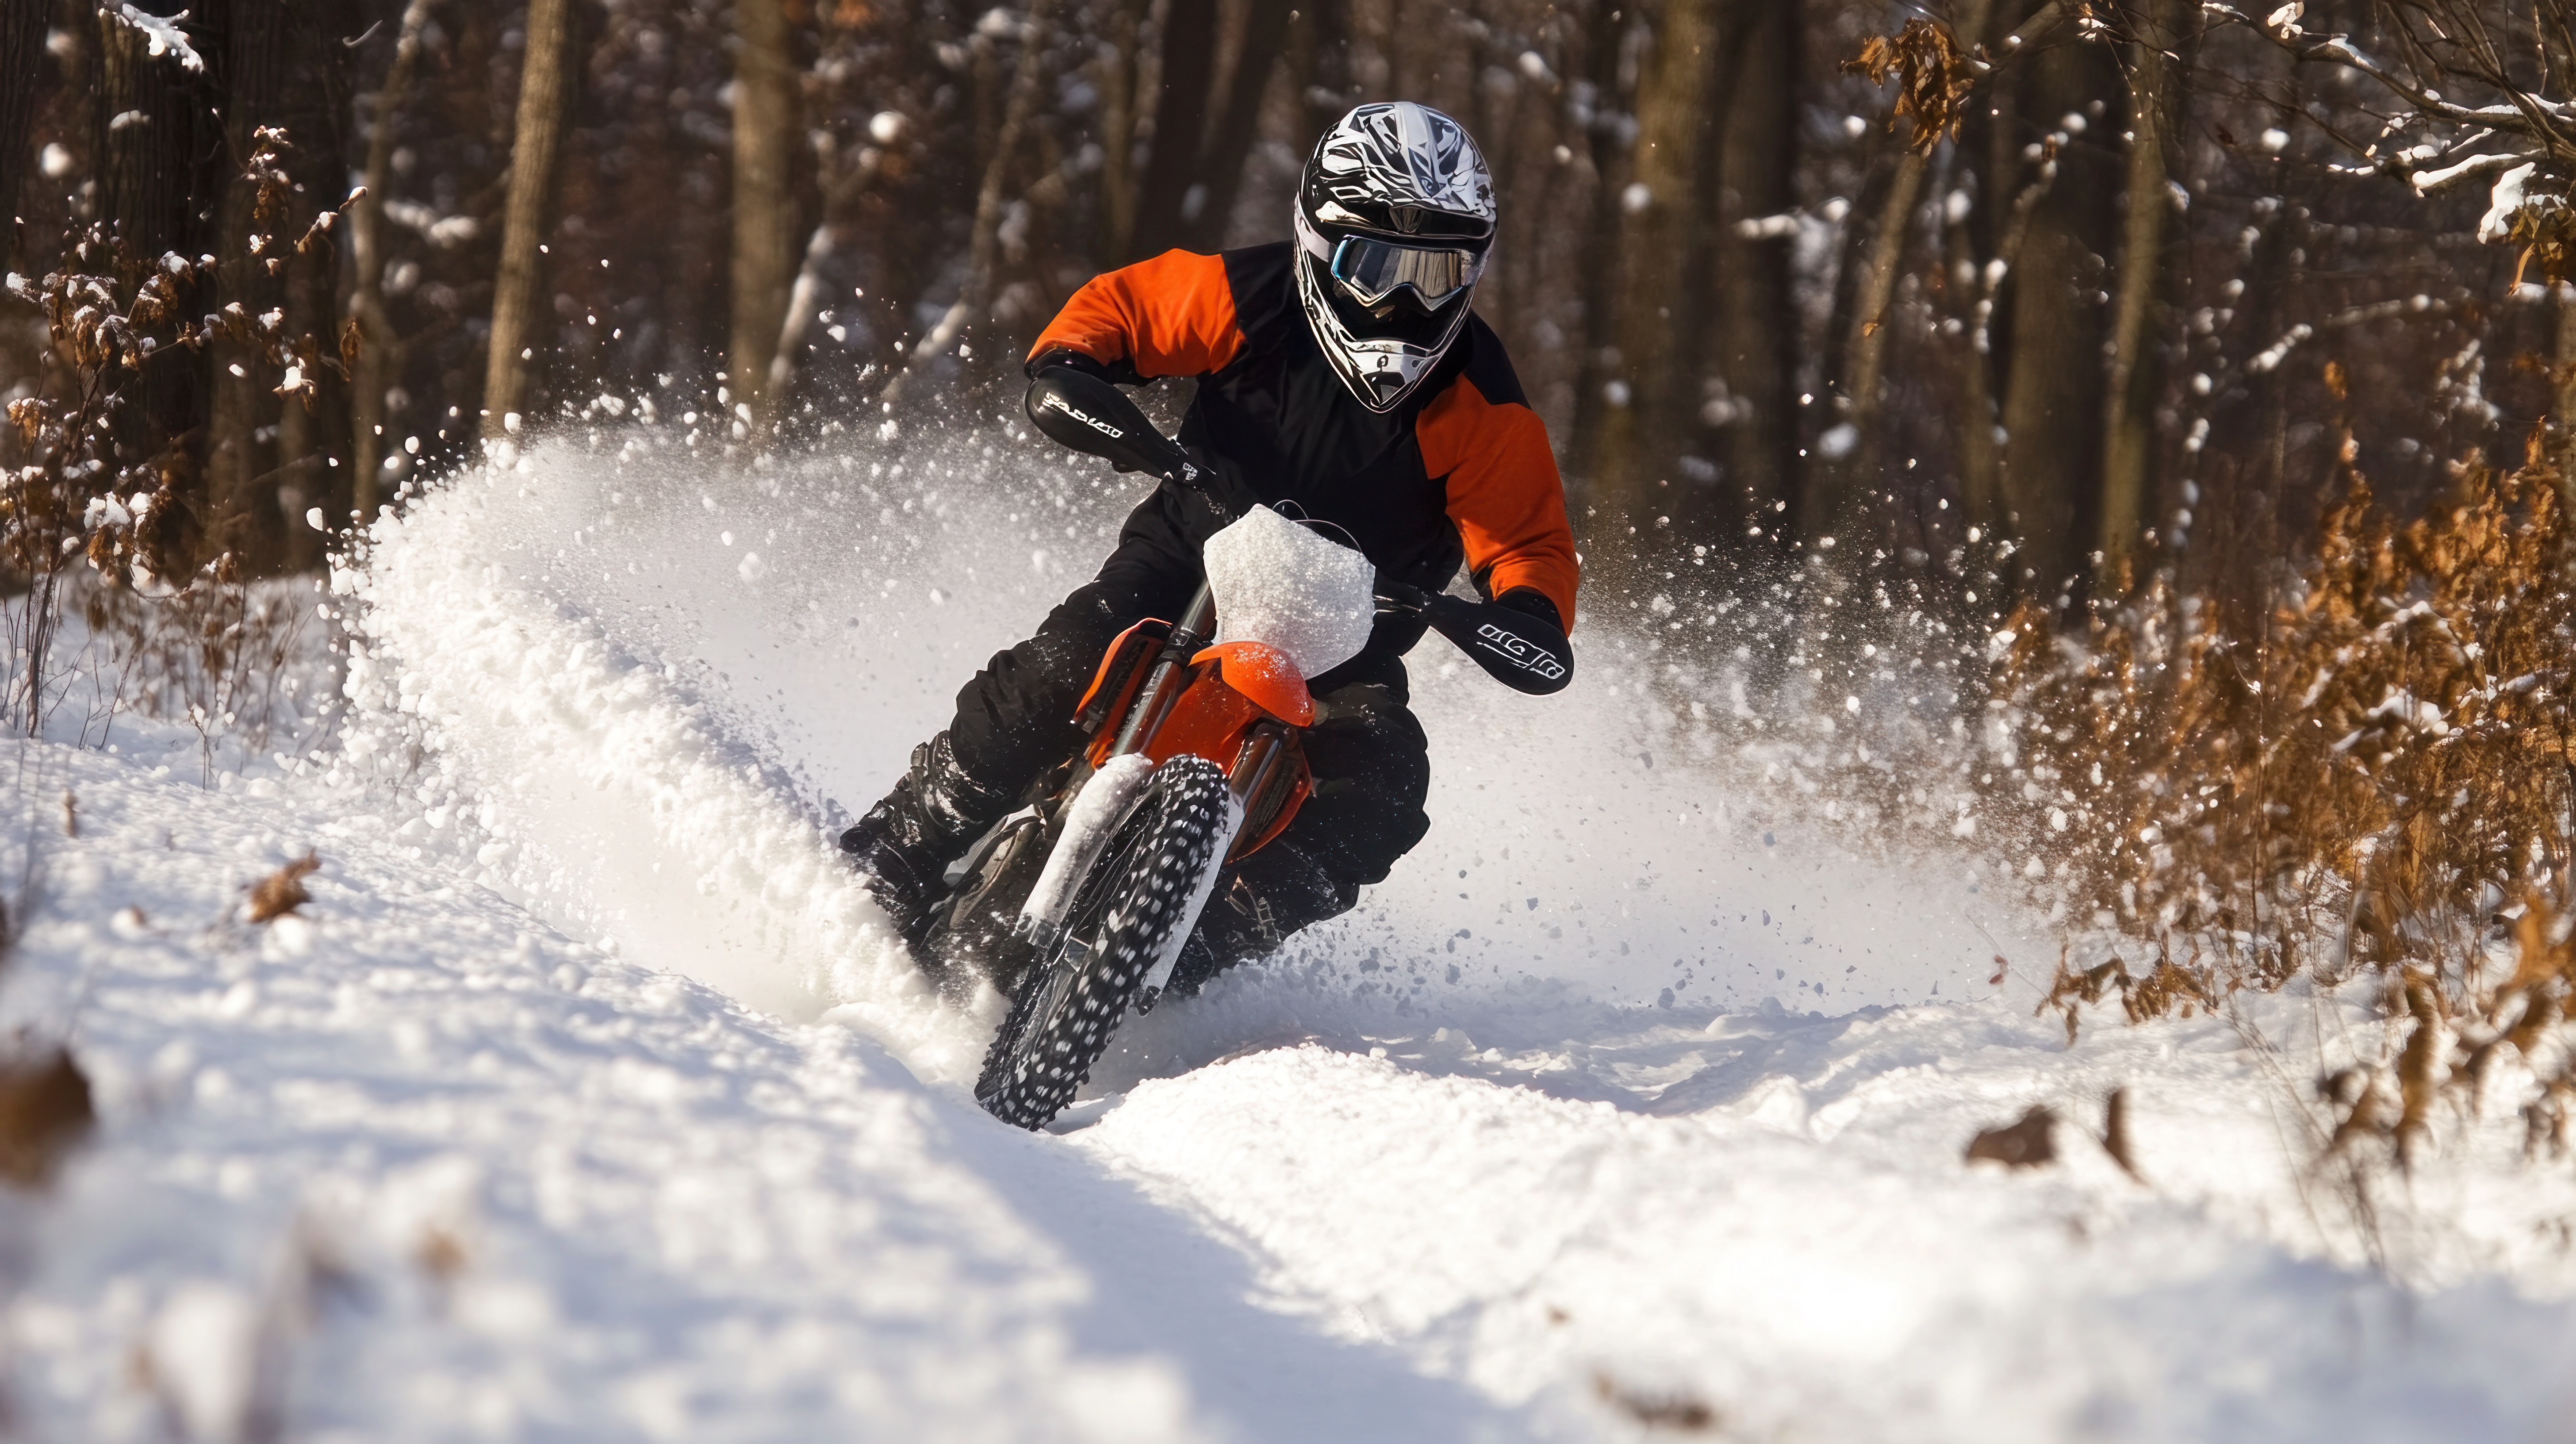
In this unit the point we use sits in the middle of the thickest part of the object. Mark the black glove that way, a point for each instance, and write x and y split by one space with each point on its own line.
1397 599
1534 602
1518 638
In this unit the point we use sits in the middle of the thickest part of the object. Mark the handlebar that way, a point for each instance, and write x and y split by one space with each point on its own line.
1089 414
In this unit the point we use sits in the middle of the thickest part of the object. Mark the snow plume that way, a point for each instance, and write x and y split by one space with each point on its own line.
645 688
549 660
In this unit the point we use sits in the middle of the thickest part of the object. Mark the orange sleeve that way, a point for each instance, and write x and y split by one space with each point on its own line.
1504 493
1170 316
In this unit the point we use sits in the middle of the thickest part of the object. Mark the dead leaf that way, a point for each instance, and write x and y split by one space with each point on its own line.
1932 76
44 1110
2026 1144
282 891
1677 1412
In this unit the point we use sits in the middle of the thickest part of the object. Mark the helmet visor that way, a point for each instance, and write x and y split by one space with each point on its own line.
1372 270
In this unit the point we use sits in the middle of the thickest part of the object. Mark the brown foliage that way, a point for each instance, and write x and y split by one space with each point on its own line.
109 312
2546 233
1933 76
2373 774
282 891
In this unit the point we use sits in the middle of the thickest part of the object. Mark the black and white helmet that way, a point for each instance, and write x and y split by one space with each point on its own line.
1395 219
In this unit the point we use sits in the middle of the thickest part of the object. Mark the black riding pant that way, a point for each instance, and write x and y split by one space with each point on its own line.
1371 765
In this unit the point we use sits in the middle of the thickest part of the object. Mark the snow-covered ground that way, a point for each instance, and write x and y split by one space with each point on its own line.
585 1100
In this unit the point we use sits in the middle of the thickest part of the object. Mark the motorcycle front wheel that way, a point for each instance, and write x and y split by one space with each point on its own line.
1137 899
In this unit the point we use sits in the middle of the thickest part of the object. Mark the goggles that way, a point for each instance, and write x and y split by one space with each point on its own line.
1372 270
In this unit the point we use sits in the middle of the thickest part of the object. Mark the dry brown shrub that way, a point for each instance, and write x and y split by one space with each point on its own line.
76 498
282 891
2371 776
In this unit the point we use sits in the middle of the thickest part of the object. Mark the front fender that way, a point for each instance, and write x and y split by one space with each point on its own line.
1266 678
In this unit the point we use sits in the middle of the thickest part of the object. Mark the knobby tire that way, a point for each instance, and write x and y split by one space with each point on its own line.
1132 902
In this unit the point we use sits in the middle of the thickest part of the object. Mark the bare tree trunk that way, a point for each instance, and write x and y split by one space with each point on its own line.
1119 101
1649 399
1180 126
2563 392
161 149
1238 119
1981 455
844 192
301 429
23 63
1865 345
1600 390
2054 393
2128 428
237 465
764 220
1323 67
380 352
535 140
985 237
1755 331
1837 486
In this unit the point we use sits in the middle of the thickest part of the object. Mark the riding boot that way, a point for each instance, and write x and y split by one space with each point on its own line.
1270 896
903 846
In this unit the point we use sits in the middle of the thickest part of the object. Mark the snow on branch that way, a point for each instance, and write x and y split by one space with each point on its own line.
161 35
2428 181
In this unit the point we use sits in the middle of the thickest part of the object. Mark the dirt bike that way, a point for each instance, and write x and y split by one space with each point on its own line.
1077 905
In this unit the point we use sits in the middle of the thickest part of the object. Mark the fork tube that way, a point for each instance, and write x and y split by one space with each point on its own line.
1254 765
1151 701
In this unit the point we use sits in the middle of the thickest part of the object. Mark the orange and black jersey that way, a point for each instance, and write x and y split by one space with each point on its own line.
1459 470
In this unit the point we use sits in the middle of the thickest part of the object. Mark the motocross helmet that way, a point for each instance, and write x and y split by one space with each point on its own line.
1395 219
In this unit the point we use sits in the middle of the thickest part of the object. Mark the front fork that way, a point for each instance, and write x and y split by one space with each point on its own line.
1076 830
1257 764
1162 685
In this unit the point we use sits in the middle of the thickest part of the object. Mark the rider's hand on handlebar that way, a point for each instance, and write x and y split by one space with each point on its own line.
1397 599
1078 407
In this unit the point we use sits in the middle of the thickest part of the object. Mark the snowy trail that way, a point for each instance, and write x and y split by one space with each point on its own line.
1527 1145
421 1168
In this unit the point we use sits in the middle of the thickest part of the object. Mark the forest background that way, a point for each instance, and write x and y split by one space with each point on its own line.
2107 285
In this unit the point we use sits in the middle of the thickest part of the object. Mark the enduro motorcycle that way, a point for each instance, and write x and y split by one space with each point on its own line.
1077 905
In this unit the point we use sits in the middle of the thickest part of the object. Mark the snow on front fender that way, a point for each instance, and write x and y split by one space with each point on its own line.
1097 810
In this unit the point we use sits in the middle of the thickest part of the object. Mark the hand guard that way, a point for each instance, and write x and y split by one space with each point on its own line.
1081 410
1516 638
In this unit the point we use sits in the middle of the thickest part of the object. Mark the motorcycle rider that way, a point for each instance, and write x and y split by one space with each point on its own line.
1343 372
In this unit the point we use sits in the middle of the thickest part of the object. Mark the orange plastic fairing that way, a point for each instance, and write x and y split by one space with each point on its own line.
1119 650
1266 677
